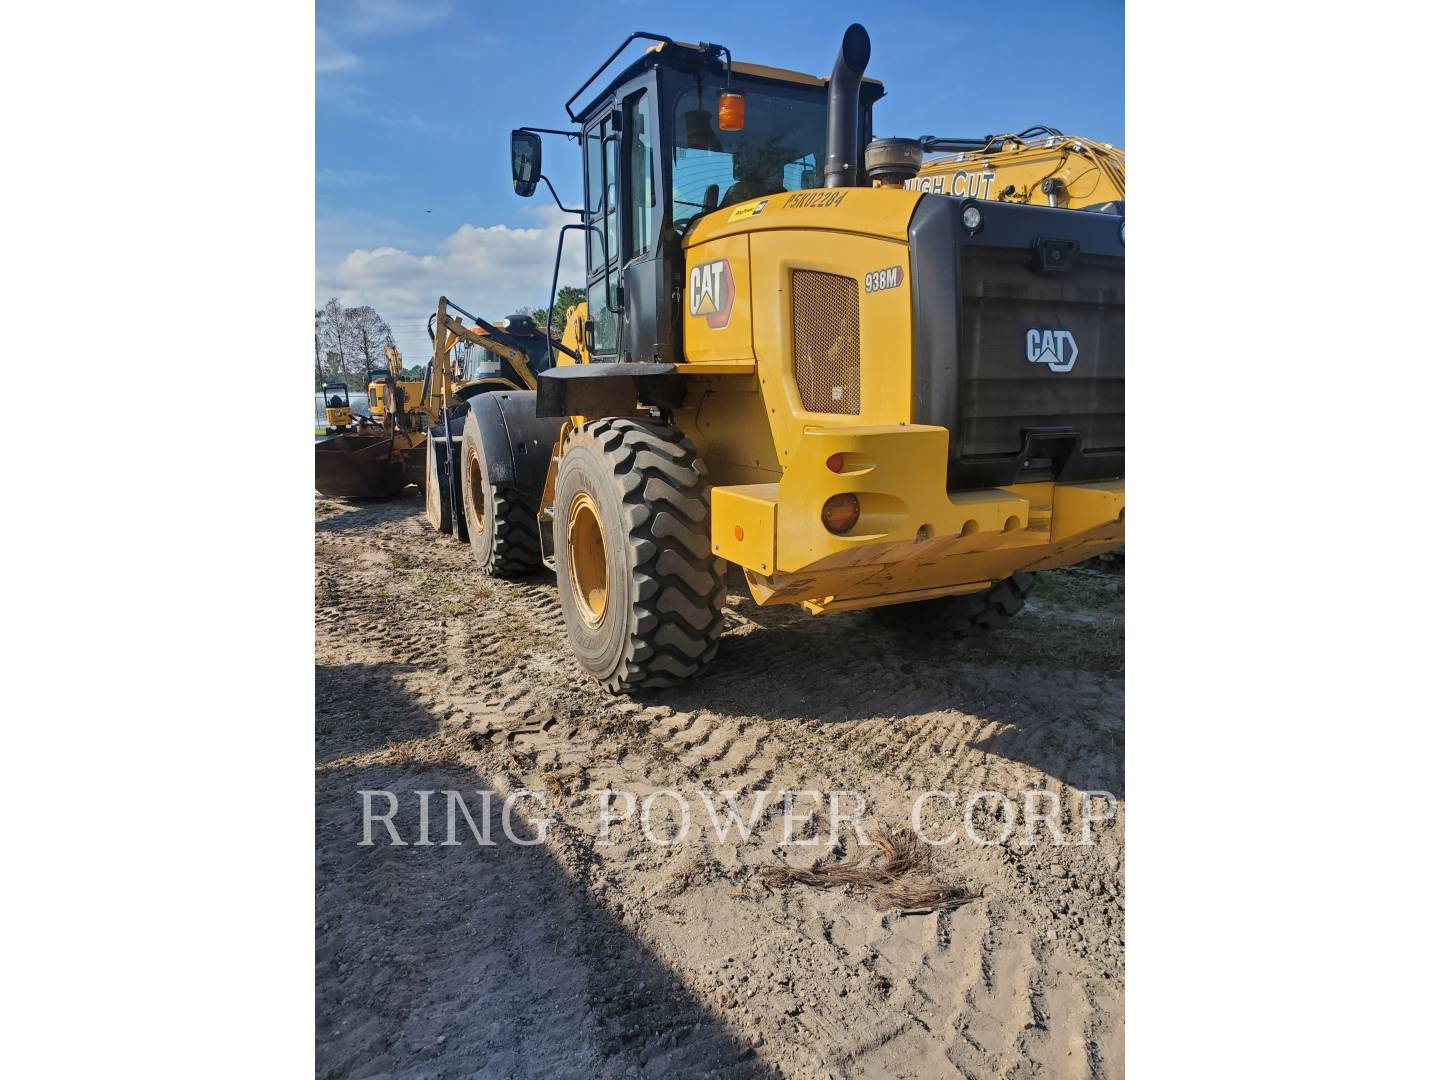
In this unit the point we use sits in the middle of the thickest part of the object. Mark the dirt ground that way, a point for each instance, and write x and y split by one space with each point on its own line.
573 957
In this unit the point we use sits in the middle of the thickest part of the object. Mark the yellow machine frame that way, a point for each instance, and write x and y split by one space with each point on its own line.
767 454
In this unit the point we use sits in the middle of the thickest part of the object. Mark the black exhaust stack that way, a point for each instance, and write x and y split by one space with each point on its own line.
842 135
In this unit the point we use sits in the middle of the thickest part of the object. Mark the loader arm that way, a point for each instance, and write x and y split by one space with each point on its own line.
490 341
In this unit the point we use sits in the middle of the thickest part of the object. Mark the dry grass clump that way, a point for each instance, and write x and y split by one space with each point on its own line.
559 783
326 592
892 883
432 750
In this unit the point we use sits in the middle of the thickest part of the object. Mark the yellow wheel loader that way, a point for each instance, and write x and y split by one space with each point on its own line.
860 396
1040 165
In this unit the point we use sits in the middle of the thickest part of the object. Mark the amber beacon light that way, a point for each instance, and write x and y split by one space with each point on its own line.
732 111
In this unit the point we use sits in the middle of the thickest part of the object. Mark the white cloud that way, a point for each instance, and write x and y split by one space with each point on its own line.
330 55
343 178
491 270
339 22
384 16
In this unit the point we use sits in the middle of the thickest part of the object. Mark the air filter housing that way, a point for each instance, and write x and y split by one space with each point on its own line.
893 161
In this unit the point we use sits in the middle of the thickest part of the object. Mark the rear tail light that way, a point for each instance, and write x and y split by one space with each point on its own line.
840 513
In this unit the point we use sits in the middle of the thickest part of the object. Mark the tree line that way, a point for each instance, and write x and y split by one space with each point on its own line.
350 341
349 344
565 298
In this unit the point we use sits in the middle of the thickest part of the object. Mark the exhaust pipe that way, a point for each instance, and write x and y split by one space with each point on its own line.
842 131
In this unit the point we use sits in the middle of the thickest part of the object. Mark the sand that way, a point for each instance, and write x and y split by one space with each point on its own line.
573 957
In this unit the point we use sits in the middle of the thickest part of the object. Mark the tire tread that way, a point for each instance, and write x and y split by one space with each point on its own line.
677 589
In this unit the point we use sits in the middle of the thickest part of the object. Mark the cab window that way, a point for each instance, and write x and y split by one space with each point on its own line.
779 149
601 191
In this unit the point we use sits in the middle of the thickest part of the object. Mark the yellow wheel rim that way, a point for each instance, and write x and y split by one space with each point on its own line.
585 542
475 481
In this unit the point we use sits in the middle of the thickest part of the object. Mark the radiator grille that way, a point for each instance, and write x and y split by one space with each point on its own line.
827 341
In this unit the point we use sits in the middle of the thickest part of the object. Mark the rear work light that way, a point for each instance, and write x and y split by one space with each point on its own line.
840 513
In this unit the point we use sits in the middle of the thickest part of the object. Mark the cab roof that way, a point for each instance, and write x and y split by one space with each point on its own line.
684 54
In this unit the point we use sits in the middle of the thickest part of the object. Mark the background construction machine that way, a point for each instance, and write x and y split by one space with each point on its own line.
392 395
1040 165
474 372
335 399
861 396
392 448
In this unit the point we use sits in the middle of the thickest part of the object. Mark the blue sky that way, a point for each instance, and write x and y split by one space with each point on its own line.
415 100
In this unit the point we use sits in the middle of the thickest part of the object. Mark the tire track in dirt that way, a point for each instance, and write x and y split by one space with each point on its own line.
1005 983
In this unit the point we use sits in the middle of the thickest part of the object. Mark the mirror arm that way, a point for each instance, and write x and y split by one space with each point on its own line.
554 290
551 131
556 197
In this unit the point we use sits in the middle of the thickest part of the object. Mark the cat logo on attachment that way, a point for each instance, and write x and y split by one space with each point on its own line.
712 292
1056 348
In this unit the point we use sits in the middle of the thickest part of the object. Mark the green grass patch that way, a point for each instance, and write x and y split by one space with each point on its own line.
1081 591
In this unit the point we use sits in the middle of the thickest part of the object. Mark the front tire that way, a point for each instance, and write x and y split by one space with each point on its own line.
500 520
437 506
641 592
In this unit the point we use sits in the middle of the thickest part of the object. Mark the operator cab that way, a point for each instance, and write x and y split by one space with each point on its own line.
336 396
375 383
335 399
679 133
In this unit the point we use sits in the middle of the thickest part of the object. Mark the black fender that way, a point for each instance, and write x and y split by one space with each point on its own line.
517 443
608 389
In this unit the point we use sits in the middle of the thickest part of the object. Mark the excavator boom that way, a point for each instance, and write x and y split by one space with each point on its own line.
1041 166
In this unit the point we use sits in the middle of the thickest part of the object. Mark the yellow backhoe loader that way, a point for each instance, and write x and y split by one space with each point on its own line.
861 396
473 370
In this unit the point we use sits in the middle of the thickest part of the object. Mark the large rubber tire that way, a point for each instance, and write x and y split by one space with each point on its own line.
642 594
504 535
963 616
437 505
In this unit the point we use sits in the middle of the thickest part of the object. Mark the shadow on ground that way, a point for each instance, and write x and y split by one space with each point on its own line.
1058 716
471 960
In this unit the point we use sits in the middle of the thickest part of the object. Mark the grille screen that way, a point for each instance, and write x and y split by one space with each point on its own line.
827 341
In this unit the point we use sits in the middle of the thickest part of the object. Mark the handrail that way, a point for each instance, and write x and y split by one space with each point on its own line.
638 35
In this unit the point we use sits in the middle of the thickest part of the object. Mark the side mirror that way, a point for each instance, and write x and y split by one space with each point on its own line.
525 161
